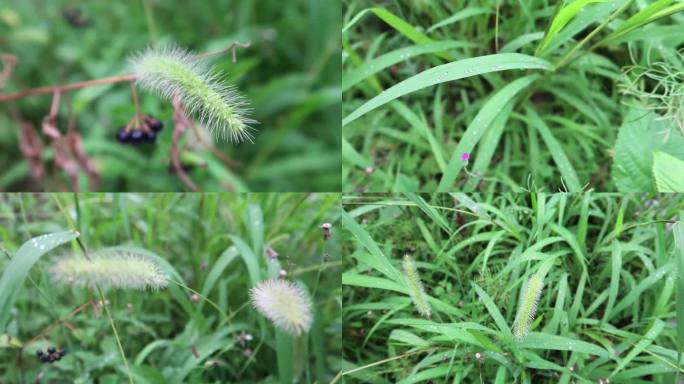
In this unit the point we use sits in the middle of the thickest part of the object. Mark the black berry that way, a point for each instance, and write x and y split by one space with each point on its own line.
39 353
62 352
123 136
157 125
137 136
44 358
150 136
51 350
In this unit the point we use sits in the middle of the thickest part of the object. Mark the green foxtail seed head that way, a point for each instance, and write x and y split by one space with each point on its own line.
284 303
172 71
527 308
110 269
415 286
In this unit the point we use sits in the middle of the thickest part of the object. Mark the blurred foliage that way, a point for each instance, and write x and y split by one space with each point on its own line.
172 336
290 74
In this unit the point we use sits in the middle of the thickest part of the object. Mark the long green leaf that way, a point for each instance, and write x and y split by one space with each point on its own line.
449 72
371 67
567 171
678 232
535 340
17 269
563 18
477 128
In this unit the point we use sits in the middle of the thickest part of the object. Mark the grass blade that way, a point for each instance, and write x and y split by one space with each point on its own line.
678 232
371 67
567 171
477 128
449 72
17 269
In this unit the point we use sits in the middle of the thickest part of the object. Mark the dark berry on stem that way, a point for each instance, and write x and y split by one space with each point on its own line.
136 136
123 136
157 125
44 358
62 352
39 352
51 350
150 136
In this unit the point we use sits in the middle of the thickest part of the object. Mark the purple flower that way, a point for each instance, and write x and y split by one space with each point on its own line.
465 156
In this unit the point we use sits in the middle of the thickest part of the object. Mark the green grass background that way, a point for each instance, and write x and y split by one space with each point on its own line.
557 133
607 310
210 242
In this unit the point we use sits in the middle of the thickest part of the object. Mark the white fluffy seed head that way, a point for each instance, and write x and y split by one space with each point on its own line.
110 269
285 304
170 71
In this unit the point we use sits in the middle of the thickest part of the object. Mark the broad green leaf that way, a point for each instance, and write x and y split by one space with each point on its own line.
668 172
478 126
642 132
16 270
449 72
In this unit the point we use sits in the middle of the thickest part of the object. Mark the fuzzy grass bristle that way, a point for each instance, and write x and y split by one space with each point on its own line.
415 286
527 308
285 304
110 269
171 71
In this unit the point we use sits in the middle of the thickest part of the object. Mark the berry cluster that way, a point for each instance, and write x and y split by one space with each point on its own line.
51 356
146 134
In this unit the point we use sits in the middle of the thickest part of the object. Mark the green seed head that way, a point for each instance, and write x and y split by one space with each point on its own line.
110 269
529 298
173 72
415 287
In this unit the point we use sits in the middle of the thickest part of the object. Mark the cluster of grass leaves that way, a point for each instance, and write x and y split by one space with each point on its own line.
607 309
531 89
290 74
212 243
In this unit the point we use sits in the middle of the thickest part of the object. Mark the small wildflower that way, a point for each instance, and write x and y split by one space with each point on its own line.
478 357
465 156
243 337
194 297
282 274
284 303
370 170
271 253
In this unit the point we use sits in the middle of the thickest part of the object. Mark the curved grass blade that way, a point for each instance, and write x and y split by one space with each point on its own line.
17 269
563 18
487 148
449 72
458 16
479 126
536 340
678 232
649 337
567 171
493 310
376 65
